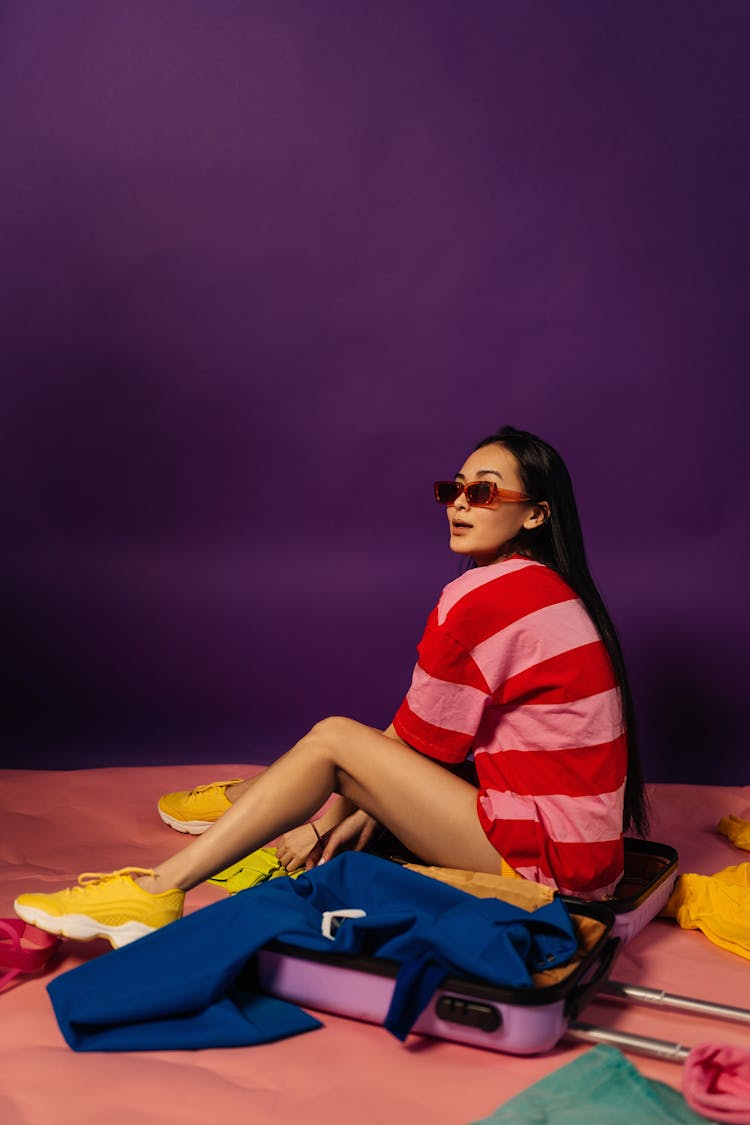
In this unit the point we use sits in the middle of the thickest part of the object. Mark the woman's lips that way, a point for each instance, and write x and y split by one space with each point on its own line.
458 525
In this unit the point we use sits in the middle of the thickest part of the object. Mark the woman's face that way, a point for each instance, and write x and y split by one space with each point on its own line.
481 533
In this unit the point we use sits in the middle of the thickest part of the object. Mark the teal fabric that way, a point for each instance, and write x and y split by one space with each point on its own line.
600 1086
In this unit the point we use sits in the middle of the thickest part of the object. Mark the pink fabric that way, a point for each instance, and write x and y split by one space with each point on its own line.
23 949
545 726
595 813
500 674
539 636
472 580
57 824
459 706
716 1082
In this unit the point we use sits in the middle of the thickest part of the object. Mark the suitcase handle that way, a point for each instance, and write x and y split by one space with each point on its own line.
585 991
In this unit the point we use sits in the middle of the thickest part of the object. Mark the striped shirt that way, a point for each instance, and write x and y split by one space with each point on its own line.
512 669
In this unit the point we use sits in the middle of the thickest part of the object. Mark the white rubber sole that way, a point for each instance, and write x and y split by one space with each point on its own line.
192 827
82 928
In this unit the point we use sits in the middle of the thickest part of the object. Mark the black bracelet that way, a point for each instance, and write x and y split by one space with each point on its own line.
312 825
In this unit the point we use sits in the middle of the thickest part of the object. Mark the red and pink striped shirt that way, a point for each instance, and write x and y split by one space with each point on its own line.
512 669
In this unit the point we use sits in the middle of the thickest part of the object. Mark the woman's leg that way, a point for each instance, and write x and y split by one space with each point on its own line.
234 792
429 809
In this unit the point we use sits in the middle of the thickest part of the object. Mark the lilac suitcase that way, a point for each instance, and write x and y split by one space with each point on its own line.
471 1011
465 1010
650 873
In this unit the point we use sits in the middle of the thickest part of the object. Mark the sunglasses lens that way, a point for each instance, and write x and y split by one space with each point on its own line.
446 491
480 493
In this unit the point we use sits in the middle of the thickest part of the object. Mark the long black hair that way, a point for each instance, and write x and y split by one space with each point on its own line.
558 544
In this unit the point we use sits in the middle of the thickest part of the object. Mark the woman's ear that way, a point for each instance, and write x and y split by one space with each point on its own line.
538 515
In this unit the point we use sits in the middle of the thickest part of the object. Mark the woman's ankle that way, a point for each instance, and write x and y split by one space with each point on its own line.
151 883
232 792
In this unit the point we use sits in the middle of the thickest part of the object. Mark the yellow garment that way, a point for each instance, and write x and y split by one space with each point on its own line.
263 864
738 831
255 868
507 871
719 905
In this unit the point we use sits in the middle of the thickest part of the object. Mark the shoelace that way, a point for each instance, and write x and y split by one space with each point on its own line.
201 789
89 878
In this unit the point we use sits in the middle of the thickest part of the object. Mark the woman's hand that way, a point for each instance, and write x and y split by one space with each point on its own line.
354 832
294 847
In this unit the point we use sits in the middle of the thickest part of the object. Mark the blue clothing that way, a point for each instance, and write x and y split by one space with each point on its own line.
190 983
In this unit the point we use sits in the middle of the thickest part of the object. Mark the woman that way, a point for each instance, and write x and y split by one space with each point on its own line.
519 665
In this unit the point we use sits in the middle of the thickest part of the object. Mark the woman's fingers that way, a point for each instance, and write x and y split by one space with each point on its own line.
343 835
313 858
294 847
366 834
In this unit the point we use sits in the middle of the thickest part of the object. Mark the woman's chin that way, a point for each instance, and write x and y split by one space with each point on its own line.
463 550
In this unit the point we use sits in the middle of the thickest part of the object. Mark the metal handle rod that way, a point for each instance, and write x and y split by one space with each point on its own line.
638 1044
654 997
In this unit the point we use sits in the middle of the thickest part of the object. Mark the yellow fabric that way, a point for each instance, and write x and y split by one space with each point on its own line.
738 831
507 871
719 905
263 864
255 868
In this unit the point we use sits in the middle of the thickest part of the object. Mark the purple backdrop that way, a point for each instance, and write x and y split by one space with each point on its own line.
333 244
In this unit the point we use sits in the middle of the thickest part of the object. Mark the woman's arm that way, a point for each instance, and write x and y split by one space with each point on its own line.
300 844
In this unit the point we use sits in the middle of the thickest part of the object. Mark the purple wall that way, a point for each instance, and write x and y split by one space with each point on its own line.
334 243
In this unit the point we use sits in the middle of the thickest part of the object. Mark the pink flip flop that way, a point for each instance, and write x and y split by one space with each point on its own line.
23 948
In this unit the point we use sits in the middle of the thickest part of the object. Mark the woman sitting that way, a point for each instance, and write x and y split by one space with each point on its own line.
519 667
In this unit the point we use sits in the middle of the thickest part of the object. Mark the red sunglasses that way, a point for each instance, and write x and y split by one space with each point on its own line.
479 493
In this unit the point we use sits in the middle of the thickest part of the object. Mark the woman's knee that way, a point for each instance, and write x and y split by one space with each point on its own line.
334 731
340 741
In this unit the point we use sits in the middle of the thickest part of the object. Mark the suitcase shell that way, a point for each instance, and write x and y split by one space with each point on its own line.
647 883
463 1010
650 873
469 1010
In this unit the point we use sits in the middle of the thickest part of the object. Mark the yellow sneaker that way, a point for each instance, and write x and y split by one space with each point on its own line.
195 810
110 906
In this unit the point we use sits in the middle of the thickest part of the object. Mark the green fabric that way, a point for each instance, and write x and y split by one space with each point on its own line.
249 872
600 1086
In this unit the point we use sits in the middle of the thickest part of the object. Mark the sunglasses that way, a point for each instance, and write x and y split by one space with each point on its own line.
479 493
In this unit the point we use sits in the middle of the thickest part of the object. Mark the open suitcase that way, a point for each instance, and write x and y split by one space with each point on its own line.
468 1010
643 891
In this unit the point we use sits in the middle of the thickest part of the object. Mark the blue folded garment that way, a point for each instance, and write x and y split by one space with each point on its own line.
188 985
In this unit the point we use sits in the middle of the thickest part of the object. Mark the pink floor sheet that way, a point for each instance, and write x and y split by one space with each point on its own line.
57 824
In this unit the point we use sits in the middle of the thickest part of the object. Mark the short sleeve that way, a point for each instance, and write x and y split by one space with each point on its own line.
443 708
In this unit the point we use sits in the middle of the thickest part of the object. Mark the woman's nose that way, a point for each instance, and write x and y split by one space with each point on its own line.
461 502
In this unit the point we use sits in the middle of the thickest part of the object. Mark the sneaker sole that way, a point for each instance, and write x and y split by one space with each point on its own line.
82 928
192 827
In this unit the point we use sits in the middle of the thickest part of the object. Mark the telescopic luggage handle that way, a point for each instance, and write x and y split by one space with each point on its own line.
651 997
657 998
590 985
637 1044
